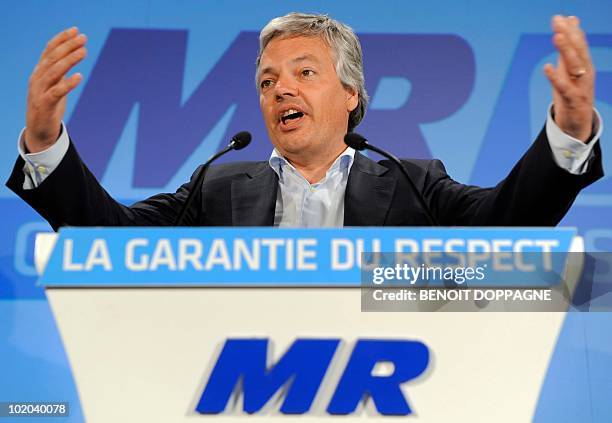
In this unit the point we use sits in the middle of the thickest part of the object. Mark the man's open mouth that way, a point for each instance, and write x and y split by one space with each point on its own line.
290 115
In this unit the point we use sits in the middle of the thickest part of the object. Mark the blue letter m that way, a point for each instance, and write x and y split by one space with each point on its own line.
300 371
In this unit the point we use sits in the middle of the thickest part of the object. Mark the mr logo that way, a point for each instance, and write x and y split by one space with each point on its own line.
242 369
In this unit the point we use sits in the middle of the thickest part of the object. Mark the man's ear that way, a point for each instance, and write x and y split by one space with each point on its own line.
352 98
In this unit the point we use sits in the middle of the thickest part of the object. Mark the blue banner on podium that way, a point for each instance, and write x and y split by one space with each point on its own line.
300 257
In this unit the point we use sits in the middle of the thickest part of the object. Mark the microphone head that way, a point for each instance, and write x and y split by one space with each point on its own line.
240 140
356 141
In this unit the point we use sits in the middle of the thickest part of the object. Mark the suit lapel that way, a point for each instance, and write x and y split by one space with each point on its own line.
254 197
368 193
366 201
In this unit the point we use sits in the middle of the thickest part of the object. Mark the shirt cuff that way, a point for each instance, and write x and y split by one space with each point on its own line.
570 153
40 165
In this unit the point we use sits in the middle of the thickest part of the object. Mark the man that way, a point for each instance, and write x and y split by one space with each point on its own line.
311 88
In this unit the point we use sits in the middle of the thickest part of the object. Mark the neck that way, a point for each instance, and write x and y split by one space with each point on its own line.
314 170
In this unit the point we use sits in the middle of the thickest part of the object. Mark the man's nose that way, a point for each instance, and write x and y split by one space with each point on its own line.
285 87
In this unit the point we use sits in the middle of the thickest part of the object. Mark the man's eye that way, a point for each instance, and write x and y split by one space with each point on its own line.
307 72
265 83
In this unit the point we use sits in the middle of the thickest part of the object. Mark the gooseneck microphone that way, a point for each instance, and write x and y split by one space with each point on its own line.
238 142
359 143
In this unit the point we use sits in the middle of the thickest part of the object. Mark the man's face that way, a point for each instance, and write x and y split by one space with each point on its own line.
303 102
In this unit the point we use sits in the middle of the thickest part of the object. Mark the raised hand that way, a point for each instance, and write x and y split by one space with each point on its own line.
573 79
49 87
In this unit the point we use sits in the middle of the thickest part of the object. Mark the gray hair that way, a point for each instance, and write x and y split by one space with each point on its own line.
343 42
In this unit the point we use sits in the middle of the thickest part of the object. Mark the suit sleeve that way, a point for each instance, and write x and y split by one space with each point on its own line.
537 192
71 196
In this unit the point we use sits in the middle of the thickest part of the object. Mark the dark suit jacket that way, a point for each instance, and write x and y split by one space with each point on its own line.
535 193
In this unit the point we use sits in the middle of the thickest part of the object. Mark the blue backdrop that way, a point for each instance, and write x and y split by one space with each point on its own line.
166 83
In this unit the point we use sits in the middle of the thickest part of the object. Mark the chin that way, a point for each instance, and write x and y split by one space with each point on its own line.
291 144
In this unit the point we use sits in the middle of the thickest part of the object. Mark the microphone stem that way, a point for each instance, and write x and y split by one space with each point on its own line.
432 220
197 185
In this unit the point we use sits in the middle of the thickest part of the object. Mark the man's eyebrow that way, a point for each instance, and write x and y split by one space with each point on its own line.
267 69
305 57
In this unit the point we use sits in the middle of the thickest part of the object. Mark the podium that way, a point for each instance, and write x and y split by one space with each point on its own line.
151 319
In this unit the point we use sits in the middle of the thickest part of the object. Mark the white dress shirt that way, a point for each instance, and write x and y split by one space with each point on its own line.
302 204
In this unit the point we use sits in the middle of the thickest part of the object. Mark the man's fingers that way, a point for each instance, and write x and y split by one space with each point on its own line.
65 48
557 78
576 36
60 38
63 87
57 72
572 61
61 51
571 42
578 39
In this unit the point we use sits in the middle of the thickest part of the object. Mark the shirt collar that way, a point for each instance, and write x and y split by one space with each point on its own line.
343 162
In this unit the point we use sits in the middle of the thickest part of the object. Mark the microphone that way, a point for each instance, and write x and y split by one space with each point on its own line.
238 142
359 143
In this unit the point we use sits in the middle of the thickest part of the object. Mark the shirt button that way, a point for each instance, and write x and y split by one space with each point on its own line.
568 154
41 169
